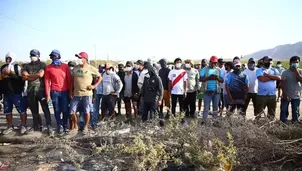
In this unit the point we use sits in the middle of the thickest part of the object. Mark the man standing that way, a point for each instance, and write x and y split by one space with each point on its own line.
237 89
267 77
82 77
178 85
291 90
141 75
193 87
280 70
121 74
152 92
253 85
228 69
204 63
57 87
163 74
211 76
131 90
222 69
112 86
34 73
12 88
98 96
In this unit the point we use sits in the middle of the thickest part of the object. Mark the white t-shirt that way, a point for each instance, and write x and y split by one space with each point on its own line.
253 81
224 72
178 88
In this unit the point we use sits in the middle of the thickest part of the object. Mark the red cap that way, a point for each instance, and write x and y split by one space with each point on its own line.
214 59
82 55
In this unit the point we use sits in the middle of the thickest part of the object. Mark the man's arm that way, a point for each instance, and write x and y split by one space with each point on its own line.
272 77
260 76
47 82
68 78
160 90
298 75
283 84
119 83
220 77
197 86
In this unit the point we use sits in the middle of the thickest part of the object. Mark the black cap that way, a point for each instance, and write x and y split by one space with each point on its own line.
267 58
129 63
252 60
204 61
140 62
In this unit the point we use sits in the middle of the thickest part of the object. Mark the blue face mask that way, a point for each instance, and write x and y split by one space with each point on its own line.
251 66
56 62
296 65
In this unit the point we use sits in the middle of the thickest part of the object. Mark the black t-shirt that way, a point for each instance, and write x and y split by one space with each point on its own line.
163 74
34 68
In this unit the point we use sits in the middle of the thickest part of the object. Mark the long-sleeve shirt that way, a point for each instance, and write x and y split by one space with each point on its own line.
112 83
152 89
57 78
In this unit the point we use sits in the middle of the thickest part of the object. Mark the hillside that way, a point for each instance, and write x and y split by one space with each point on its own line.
281 52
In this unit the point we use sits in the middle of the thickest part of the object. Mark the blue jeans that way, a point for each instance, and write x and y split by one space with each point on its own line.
225 101
96 107
60 105
207 99
295 103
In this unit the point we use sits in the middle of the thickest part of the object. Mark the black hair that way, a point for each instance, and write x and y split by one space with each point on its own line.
229 64
294 58
236 58
177 59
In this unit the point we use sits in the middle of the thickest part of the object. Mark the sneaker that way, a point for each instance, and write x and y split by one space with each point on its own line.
66 130
8 130
29 130
23 130
85 131
50 131
60 130
41 128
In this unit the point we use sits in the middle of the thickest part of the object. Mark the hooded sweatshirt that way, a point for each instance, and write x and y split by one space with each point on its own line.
163 73
12 83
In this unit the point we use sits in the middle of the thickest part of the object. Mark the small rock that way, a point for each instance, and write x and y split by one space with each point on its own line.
121 131
54 154
23 154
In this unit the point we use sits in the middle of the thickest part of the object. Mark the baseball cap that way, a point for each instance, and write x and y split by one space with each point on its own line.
82 55
221 61
267 58
252 60
236 58
55 53
213 59
34 52
237 62
11 55
204 61
140 62
129 63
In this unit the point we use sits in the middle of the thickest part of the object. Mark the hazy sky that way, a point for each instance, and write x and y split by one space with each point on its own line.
132 29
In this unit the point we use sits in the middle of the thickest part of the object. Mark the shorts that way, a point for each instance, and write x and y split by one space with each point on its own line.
81 102
108 103
13 99
200 96
166 98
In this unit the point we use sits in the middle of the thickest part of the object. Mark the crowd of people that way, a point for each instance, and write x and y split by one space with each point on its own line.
78 91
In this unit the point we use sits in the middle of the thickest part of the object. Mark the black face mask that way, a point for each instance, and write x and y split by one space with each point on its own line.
203 65
266 65
226 68
237 70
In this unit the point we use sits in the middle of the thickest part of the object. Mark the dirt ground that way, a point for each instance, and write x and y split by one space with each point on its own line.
39 156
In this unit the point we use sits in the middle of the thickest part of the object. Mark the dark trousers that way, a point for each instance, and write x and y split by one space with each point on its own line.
190 104
295 103
239 107
221 102
253 97
180 99
33 100
268 101
149 108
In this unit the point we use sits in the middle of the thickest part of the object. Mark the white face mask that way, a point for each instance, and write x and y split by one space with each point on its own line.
128 69
33 58
80 61
178 65
136 66
188 66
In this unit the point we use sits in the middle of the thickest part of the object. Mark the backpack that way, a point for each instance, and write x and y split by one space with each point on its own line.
203 87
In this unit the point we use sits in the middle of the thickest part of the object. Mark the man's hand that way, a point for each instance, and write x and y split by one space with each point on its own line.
159 102
93 100
90 87
48 98
212 77
24 77
70 95
113 94
5 71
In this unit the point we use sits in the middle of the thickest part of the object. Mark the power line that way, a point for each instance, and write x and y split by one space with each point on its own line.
18 22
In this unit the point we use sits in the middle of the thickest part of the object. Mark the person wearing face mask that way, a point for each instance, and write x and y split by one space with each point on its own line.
81 78
163 74
98 94
291 80
152 92
121 74
57 87
71 65
266 96
253 85
280 69
204 63
34 74
228 69
177 86
237 89
193 87
211 76
131 91
142 72
112 86
12 88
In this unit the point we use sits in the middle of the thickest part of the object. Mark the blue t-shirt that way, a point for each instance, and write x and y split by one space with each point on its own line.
211 84
269 87
237 83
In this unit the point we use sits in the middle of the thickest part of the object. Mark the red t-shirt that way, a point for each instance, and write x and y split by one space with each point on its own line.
57 78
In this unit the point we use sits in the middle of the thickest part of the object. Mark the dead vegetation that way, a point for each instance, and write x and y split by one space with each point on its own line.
224 144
